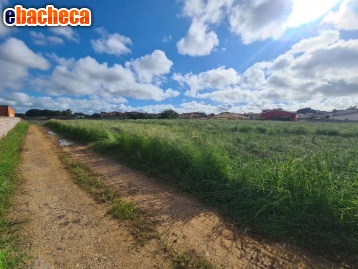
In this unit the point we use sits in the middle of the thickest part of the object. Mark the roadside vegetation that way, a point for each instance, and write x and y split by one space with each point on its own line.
294 181
10 147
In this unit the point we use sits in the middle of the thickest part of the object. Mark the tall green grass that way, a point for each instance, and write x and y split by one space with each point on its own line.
297 181
10 147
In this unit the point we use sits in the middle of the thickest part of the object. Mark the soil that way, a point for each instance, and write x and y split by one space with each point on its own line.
63 227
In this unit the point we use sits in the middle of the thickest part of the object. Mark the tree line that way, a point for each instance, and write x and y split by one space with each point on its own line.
48 113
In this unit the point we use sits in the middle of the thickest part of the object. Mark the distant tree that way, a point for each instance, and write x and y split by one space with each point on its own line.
48 113
306 110
137 116
33 113
169 114
96 115
20 115
67 113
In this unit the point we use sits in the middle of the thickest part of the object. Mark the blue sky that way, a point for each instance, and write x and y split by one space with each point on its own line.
187 55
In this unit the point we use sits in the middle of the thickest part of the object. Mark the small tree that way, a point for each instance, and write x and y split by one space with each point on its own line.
67 112
168 114
96 116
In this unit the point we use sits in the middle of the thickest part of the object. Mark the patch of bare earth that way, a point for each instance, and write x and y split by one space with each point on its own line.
65 228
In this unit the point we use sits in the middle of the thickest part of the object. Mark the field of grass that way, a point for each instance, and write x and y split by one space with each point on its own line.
10 147
296 181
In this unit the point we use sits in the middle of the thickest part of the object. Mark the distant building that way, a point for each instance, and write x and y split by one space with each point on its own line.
193 115
348 114
278 114
6 111
253 116
108 114
350 117
301 116
230 116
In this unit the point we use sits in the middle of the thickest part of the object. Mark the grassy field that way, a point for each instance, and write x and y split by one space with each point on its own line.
10 147
297 181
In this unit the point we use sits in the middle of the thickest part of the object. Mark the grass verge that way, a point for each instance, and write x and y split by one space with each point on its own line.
142 229
10 148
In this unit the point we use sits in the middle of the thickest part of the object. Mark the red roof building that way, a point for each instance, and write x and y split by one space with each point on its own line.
278 114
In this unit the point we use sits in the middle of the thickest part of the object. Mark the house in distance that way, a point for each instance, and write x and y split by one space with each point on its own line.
6 111
278 114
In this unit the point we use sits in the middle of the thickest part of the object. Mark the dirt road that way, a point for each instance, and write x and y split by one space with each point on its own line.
66 228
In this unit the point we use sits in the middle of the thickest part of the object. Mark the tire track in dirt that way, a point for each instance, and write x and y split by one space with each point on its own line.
62 226
184 224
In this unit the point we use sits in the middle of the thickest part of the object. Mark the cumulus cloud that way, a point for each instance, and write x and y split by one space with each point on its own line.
151 65
23 102
15 61
115 44
198 41
251 19
256 20
93 104
346 18
216 109
260 19
40 39
86 76
314 68
320 68
219 78
311 44
66 32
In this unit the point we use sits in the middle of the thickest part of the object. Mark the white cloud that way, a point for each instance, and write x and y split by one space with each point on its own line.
15 60
23 102
346 18
147 108
308 11
111 43
209 11
151 65
86 77
251 19
198 41
65 31
218 79
40 39
260 19
167 39
321 68
310 44
170 93
256 20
